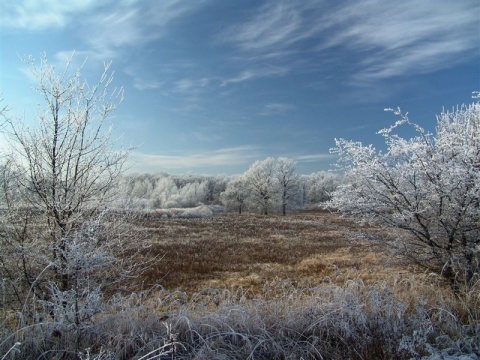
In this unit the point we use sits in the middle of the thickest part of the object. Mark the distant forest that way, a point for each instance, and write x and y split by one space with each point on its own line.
265 187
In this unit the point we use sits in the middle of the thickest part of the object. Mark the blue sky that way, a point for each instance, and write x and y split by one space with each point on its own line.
213 85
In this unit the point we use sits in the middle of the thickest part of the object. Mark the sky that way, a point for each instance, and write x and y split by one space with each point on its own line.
213 85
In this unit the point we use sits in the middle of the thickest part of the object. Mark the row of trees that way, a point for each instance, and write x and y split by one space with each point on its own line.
272 185
163 191
269 185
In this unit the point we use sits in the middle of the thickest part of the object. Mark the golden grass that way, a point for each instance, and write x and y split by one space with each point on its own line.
309 285
251 250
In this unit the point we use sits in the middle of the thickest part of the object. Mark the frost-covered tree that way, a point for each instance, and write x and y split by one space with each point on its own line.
261 181
61 172
320 186
236 194
221 182
287 181
161 190
268 185
192 194
428 186
141 192
165 189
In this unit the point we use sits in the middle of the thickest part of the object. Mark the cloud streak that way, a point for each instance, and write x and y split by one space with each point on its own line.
275 23
390 38
406 37
201 85
236 156
313 157
255 73
210 161
133 24
41 15
108 28
271 109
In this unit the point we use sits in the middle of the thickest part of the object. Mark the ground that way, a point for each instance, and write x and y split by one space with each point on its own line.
251 250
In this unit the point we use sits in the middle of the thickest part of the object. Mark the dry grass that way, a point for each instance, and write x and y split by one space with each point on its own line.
251 250
311 285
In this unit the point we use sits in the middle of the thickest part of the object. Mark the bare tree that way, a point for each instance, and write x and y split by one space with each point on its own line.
60 174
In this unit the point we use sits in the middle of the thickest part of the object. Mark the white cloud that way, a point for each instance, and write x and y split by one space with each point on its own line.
133 24
141 84
408 37
251 74
274 24
106 28
191 85
313 157
276 109
242 155
141 81
199 86
215 161
40 15
383 38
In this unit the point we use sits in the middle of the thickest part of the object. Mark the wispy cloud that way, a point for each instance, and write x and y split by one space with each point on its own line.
215 161
255 73
201 85
40 15
147 74
192 85
276 109
107 28
408 37
220 158
384 39
314 157
274 24
132 24
142 84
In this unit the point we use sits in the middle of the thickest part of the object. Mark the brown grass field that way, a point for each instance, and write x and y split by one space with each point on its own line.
251 251
311 285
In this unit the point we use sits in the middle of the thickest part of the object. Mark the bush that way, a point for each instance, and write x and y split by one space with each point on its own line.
428 187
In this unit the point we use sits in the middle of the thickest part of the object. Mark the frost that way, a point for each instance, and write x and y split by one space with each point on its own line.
426 187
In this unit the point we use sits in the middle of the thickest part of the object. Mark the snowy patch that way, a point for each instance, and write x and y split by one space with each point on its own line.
199 212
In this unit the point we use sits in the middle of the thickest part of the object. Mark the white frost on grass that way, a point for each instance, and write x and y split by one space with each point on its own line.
199 212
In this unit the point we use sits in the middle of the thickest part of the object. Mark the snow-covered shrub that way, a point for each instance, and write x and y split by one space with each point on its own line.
428 186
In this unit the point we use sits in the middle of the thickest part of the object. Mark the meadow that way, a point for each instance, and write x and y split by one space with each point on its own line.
309 285
312 285
252 250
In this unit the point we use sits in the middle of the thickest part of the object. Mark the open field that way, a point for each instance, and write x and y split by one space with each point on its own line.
310 285
252 250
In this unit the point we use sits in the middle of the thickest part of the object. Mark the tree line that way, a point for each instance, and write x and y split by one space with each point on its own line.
268 186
